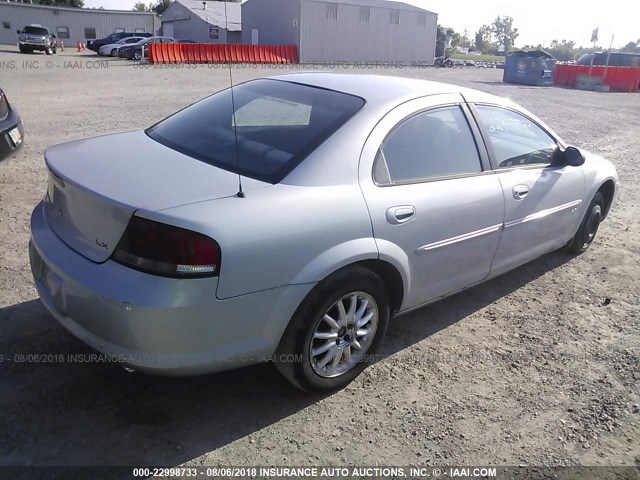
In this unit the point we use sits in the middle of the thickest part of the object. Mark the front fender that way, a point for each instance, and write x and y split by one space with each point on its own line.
598 171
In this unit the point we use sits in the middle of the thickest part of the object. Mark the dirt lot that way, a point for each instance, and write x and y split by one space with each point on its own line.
538 367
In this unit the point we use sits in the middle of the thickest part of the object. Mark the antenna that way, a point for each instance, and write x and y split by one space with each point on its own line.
240 193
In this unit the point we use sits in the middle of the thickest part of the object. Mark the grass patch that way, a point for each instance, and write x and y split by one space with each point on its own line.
480 58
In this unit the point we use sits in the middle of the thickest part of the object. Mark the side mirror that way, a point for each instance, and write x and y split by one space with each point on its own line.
19 32
573 157
53 35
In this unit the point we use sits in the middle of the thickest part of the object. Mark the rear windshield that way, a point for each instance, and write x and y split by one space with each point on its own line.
36 31
277 125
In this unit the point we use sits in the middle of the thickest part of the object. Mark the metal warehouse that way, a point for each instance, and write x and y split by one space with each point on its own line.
343 30
203 22
72 25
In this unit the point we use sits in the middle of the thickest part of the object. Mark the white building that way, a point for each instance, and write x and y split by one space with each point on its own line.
203 22
343 30
72 25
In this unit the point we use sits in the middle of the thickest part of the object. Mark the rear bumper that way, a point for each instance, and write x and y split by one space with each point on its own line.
155 324
7 145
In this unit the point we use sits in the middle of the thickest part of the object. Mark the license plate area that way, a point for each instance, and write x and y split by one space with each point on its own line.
15 136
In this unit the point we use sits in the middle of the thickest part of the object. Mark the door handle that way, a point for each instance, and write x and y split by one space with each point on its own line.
520 191
400 214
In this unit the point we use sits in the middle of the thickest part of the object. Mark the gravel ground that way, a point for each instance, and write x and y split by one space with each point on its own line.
539 367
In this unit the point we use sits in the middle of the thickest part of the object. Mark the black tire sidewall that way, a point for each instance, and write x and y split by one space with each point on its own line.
297 338
580 242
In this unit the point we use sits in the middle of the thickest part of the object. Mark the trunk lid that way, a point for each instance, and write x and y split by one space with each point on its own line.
96 185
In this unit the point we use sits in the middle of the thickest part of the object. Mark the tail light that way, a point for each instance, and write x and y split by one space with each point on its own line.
4 106
169 251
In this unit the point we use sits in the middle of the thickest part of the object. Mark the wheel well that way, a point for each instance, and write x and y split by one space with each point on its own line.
391 278
607 189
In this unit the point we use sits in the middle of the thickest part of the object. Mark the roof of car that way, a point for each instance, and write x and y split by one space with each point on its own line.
383 88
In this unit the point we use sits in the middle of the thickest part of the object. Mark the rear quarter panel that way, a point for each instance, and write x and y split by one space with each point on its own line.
281 235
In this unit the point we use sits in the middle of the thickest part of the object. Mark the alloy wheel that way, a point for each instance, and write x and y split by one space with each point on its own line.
343 334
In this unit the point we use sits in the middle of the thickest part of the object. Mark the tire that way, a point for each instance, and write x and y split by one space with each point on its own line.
588 227
137 55
114 52
294 356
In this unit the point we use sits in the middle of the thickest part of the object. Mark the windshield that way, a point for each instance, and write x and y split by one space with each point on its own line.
278 125
36 31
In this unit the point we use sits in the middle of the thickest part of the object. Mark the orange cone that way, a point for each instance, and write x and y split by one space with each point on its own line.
78 46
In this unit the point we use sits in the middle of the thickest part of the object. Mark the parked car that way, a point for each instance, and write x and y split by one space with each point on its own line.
442 62
146 248
111 49
613 59
96 45
11 133
135 51
36 38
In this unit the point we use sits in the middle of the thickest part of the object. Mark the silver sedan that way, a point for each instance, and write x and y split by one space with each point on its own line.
112 48
289 218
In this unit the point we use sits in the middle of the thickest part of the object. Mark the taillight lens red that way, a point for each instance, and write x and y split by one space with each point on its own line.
4 106
161 249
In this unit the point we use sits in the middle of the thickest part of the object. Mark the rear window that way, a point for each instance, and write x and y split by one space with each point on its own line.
36 31
278 124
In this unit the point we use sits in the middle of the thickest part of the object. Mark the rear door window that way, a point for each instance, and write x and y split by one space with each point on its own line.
435 143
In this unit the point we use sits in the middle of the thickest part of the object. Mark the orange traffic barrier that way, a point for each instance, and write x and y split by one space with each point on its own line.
164 52
230 53
78 46
620 79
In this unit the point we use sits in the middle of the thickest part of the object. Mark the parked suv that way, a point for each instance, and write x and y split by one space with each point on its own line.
95 45
36 38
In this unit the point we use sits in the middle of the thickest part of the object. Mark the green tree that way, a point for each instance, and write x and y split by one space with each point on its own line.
160 6
483 39
633 47
563 50
61 3
446 40
465 39
503 32
141 7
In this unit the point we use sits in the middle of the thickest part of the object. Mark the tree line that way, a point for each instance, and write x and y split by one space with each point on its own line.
500 36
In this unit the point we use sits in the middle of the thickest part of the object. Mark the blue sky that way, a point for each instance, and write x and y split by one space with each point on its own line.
538 22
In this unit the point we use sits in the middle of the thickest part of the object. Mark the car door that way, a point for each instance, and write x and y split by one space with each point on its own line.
436 207
542 200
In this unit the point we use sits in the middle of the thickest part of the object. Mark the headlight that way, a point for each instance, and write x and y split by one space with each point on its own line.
23 38
43 38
